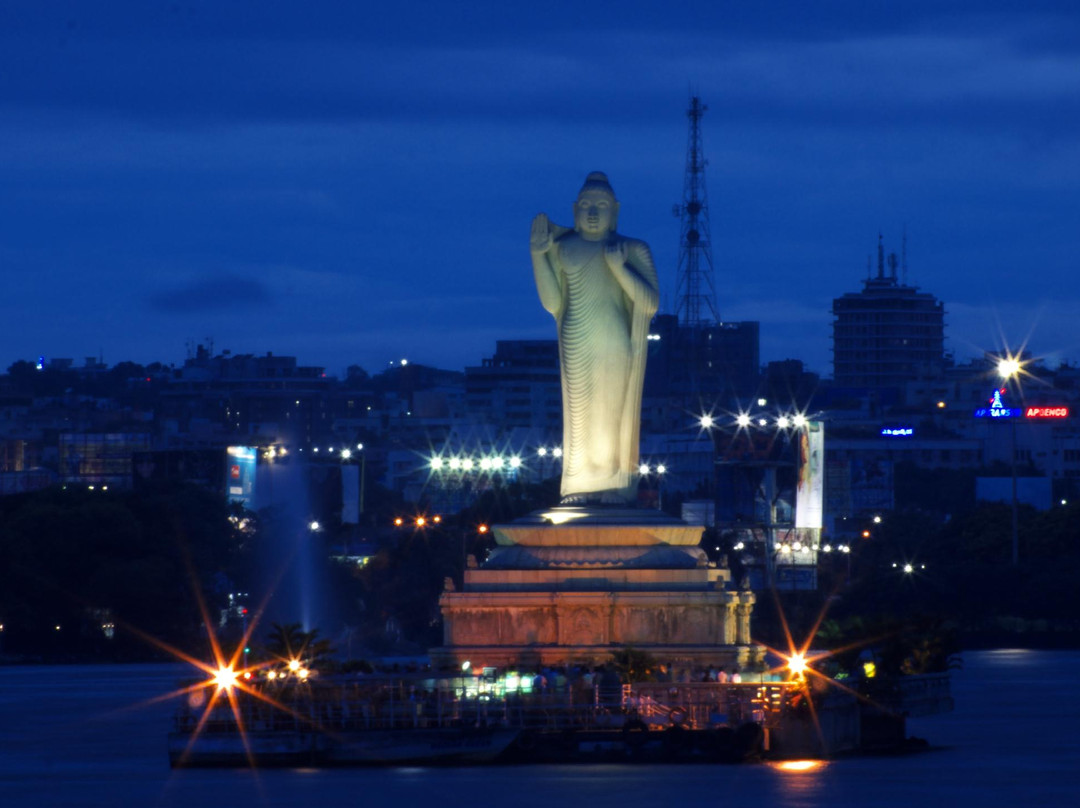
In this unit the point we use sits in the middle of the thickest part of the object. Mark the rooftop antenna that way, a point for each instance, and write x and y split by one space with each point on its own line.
880 256
695 297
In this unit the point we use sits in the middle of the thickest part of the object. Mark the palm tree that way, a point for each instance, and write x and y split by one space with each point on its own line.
289 641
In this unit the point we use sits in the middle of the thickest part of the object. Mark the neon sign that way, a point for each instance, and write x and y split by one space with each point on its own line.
997 409
897 431
1047 412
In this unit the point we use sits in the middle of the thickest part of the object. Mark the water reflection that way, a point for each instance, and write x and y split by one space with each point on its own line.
800 782
799 765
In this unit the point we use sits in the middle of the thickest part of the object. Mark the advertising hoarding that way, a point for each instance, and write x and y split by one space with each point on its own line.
240 475
810 484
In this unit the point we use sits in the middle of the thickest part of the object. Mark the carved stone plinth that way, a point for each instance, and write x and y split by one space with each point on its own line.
571 586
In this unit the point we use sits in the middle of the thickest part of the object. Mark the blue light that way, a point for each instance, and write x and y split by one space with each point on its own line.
998 412
997 409
897 431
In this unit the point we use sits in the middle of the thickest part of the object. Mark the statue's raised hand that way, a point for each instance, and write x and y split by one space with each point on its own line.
615 254
541 239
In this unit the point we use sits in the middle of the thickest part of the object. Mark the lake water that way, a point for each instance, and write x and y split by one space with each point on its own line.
94 736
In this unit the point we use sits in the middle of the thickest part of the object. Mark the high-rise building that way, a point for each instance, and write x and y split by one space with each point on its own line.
518 387
889 333
713 361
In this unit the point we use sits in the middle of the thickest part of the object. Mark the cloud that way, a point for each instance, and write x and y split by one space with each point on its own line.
950 66
212 293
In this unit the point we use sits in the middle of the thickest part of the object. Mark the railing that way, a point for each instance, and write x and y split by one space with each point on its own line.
702 705
385 705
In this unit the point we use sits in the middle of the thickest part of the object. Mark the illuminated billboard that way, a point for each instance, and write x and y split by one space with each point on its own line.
810 485
997 409
1047 412
240 474
998 412
897 431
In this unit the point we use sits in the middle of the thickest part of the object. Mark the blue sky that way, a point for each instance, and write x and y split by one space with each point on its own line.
351 183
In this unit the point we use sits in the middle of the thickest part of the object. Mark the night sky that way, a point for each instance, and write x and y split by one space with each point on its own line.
351 182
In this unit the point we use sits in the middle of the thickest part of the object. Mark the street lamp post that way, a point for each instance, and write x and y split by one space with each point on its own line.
1015 523
708 424
1008 368
363 474
646 471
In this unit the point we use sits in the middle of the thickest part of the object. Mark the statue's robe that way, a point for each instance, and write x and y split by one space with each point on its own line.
603 325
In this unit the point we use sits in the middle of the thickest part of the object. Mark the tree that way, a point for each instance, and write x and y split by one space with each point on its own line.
289 641
146 558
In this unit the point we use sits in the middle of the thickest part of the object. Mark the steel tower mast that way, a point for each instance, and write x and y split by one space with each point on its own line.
694 294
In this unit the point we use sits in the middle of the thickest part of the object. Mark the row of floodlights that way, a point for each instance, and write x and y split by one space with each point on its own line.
908 568
798 421
796 547
497 463
419 521
494 463
226 676
280 451
490 463
424 521
344 451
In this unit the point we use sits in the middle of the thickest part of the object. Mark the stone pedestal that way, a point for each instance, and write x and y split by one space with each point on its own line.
570 586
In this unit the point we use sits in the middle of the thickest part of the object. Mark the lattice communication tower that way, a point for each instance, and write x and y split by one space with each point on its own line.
694 294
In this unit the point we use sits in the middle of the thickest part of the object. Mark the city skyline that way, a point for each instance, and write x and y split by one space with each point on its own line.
355 186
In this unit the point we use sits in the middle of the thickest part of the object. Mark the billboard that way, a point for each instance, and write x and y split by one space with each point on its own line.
240 475
810 483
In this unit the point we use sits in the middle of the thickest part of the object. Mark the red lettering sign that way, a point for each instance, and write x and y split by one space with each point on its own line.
1047 412
234 472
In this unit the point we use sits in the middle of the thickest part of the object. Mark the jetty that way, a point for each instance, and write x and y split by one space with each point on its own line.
499 718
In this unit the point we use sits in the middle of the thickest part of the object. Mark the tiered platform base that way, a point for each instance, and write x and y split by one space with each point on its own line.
572 585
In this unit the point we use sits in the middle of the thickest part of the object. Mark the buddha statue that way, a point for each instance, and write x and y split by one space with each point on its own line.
601 288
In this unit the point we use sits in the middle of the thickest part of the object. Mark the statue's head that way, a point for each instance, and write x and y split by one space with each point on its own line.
596 211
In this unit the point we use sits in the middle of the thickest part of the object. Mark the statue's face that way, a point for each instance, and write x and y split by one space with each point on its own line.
594 213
